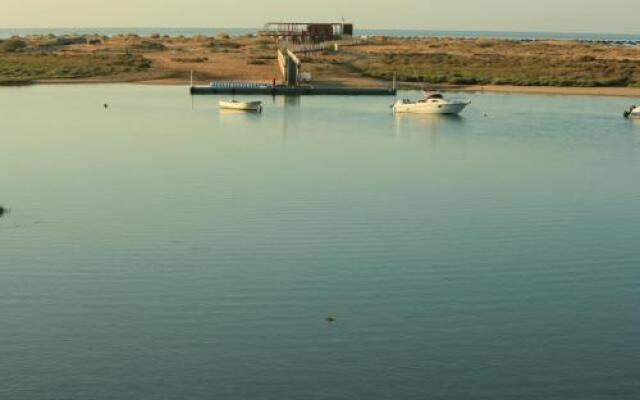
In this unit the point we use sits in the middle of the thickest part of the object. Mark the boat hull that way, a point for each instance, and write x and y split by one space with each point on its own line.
426 108
255 106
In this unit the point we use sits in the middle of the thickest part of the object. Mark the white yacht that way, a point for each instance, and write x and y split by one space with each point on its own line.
255 106
633 112
432 103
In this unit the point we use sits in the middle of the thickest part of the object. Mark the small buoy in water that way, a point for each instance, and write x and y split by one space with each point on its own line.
106 106
485 115
3 211
331 319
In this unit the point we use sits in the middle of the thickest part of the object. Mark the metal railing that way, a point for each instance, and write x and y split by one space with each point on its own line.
331 45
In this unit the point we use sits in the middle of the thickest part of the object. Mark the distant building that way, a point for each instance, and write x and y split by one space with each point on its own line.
308 32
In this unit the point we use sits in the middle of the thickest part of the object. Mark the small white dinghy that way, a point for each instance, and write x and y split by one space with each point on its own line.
432 103
633 112
255 106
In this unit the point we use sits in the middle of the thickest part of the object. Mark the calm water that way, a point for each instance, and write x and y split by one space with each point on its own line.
164 250
614 37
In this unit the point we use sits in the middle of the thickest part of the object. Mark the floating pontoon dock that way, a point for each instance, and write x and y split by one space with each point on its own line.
291 91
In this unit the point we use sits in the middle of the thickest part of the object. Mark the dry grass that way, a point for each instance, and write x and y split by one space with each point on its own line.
501 62
27 67
434 61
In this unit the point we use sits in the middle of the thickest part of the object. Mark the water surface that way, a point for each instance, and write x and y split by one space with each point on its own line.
162 249
207 31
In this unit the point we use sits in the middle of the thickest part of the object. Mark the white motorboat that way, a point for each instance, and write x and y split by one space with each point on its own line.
633 112
255 106
432 103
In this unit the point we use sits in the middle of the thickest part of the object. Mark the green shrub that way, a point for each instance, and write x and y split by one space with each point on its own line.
149 46
188 60
68 41
12 45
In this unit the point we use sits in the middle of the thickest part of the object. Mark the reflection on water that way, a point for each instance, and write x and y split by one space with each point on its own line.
224 113
290 115
238 117
635 126
291 101
188 253
428 125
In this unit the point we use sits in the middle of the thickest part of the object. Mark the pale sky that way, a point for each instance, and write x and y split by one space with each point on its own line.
610 16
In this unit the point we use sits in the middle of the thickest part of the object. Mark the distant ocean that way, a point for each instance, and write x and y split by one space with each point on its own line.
5 33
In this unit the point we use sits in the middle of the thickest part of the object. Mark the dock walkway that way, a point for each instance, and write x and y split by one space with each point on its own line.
291 91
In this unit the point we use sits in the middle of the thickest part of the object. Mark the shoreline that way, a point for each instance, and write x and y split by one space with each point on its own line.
503 89
463 65
611 91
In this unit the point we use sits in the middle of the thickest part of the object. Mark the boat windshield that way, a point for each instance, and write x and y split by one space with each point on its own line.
433 96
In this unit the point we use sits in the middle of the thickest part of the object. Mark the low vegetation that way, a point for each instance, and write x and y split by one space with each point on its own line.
28 67
430 61
190 60
12 45
501 62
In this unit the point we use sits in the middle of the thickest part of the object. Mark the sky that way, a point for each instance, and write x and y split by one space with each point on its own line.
611 16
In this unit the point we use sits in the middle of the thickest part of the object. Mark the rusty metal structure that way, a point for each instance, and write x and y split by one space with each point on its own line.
307 32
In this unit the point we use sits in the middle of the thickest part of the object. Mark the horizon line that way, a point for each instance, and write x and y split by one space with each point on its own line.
356 29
